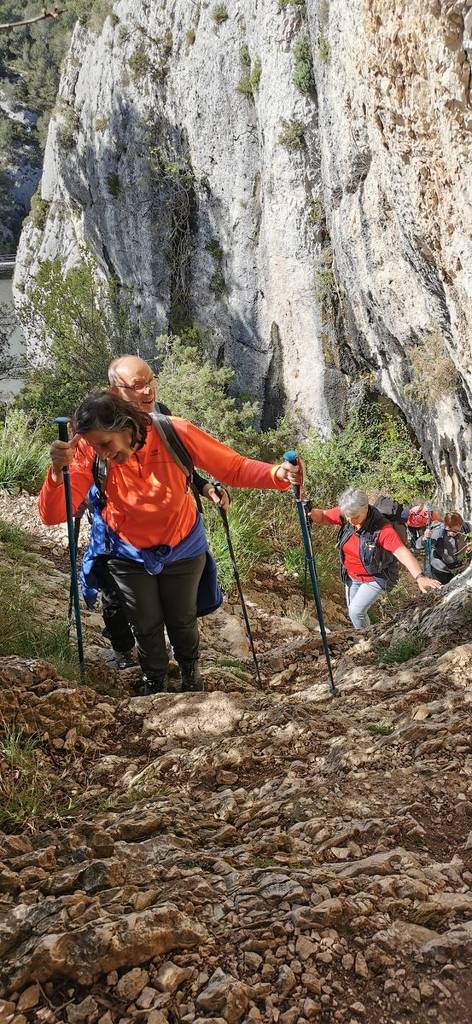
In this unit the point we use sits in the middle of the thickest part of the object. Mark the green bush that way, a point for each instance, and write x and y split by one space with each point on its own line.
402 650
139 64
324 49
23 454
101 123
374 450
256 74
303 66
244 56
220 13
433 373
244 86
80 323
315 212
282 4
292 135
113 185
68 125
39 210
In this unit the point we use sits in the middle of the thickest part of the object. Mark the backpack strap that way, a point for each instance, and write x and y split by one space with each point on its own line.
100 469
176 448
174 445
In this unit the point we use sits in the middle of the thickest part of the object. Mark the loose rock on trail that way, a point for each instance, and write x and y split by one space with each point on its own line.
241 854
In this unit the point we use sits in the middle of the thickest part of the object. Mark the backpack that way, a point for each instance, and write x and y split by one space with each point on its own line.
392 510
377 562
176 448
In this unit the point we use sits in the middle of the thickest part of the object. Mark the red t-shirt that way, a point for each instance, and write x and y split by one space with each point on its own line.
388 539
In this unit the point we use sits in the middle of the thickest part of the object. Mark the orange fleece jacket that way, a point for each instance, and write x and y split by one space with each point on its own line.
147 500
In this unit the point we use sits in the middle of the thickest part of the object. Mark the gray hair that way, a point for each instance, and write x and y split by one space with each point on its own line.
352 501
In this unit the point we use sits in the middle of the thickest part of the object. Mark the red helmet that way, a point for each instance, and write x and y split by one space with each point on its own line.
418 517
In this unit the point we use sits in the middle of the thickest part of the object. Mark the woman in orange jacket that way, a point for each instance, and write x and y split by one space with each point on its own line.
152 531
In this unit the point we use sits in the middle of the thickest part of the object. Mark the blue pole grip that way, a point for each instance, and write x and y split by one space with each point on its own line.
292 456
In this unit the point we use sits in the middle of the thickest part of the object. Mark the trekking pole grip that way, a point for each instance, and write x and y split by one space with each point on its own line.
292 456
62 425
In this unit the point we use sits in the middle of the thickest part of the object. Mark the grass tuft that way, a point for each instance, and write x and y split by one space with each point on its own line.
398 651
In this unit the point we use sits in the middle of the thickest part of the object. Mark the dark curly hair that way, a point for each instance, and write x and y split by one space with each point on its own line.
106 411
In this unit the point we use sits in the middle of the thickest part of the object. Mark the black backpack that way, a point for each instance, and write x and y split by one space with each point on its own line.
392 510
176 448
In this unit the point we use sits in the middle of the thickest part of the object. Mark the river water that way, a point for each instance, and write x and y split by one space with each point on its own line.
10 388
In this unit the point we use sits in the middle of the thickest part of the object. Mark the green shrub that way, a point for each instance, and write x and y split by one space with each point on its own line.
303 66
218 283
67 127
244 57
101 123
292 135
433 373
113 185
244 86
315 212
381 728
139 64
282 4
219 14
325 284
217 280
256 74
23 454
402 650
324 49
373 450
80 323
39 210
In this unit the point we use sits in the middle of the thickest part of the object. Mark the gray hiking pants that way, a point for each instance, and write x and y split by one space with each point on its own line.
359 597
152 602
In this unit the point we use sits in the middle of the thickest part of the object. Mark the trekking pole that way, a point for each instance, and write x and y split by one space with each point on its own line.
62 422
71 588
428 545
224 520
292 457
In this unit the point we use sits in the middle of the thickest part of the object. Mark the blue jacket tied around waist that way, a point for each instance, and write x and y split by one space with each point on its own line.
104 541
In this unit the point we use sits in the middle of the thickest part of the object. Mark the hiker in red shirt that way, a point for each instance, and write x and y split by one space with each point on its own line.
370 551
151 529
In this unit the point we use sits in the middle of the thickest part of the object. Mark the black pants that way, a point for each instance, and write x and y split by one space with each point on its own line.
152 602
117 627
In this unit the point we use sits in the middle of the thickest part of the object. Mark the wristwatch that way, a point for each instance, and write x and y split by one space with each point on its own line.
418 576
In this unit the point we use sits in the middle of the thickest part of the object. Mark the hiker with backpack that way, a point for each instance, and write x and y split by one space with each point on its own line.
132 379
449 546
370 551
150 527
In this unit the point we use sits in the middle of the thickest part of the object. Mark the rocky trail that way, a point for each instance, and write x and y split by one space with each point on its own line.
242 854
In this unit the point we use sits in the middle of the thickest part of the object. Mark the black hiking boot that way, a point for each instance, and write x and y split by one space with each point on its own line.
191 676
153 684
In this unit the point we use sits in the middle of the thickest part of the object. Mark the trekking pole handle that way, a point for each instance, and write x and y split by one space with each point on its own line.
292 456
62 424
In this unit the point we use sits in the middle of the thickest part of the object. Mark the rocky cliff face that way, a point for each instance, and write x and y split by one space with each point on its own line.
318 234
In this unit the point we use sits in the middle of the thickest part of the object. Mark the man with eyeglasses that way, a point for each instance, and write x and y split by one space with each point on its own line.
132 379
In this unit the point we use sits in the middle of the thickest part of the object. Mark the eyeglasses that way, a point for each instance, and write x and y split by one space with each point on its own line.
138 387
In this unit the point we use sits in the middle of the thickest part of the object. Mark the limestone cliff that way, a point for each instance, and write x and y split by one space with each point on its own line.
318 233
